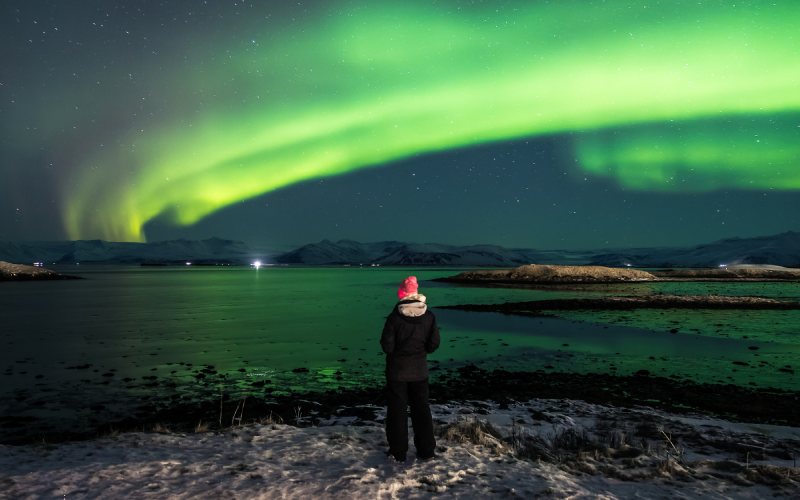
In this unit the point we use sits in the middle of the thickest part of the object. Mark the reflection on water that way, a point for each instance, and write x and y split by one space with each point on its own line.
165 334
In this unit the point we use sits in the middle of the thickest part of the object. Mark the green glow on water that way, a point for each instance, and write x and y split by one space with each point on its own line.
260 326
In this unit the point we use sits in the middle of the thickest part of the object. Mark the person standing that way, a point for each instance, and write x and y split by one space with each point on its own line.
409 335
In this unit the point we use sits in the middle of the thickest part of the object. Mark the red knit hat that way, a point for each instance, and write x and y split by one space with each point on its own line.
408 287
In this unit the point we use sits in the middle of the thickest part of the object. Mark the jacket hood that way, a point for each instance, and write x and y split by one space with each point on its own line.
412 306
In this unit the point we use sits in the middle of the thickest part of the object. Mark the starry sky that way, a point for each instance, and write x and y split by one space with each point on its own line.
570 124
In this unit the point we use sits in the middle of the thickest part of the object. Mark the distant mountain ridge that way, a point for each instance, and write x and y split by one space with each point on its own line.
781 249
396 253
212 250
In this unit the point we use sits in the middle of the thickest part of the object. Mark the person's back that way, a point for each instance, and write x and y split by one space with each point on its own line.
409 334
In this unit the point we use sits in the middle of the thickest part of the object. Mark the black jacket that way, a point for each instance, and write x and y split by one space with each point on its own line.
407 340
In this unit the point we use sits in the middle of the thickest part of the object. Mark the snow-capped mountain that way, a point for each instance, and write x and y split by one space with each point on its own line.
213 250
781 249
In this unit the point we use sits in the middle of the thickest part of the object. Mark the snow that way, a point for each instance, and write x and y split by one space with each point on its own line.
681 457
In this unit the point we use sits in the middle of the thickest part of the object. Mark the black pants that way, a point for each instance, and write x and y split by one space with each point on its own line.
400 395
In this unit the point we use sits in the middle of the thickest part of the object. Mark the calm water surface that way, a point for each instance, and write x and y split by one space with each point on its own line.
123 333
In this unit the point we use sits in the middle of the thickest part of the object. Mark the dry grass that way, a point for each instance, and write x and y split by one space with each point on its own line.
559 274
637 452
161 429
475 431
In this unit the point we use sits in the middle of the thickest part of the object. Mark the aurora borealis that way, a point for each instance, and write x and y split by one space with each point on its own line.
135 115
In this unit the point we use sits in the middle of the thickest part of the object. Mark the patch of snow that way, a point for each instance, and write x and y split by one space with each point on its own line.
648 454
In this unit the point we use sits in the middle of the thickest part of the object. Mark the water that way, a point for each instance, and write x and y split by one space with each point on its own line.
76 349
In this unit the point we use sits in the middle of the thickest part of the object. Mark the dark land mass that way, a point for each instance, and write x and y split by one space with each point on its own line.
212 251
730 273
19 272
633 302
469 383
779 249
541 275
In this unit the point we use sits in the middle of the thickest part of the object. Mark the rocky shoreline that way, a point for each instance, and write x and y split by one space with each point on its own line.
21 272
543 273
540 448
655 301
469 383
539 274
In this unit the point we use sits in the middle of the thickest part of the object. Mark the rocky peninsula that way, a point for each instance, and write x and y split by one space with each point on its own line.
535 275
21 272
540 274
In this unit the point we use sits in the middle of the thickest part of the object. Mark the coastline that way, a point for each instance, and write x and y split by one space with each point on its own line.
657 301
21 272
554 448
468 383
537 275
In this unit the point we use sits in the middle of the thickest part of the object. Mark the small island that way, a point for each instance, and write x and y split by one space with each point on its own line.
542 274
22 272
547 276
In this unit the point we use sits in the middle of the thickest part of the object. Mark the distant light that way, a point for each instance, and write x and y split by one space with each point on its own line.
723 265
188 263
628 265
257 264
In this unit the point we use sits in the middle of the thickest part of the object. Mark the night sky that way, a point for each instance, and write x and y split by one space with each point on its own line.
563 124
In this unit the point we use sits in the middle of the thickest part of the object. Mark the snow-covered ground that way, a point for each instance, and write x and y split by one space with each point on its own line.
550 448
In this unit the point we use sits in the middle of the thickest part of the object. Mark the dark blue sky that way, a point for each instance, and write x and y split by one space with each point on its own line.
190 119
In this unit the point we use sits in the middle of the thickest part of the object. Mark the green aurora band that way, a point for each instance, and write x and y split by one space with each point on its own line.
664 96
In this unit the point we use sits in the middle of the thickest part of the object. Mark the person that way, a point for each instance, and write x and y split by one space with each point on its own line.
409 335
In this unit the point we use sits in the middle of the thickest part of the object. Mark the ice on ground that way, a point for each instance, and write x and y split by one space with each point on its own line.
552 448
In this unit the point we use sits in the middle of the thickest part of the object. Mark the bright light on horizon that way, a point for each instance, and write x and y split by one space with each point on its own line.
257 264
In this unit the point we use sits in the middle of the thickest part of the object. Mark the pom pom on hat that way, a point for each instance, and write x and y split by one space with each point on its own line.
408 287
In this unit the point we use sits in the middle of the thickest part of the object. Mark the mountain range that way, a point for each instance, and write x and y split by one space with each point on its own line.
781 249
210 251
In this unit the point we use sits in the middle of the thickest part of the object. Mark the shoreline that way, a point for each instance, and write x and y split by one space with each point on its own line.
548 274
551 448
550 284
626 303
22 272
468 383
